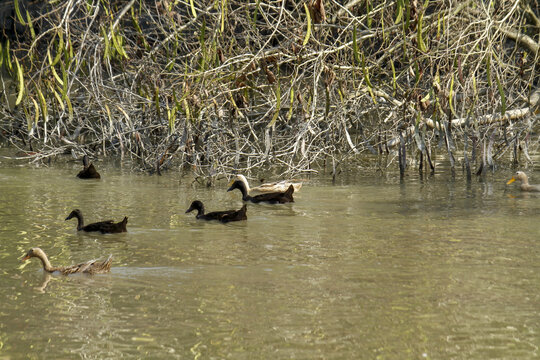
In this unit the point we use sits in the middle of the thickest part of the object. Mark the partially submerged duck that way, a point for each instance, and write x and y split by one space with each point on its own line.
223 216
88 171
89 267
272 198
107 226
525 186
278 186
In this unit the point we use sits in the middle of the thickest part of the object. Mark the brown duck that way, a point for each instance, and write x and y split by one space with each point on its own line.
223 216
89 267
107 226
88 171
525 186
272 198
278 186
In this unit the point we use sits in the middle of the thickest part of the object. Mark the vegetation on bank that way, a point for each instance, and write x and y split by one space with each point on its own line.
226 86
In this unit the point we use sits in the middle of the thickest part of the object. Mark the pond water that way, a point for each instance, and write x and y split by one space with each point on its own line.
369 267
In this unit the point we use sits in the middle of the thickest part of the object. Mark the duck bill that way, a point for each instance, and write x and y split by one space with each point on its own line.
511 180
24 258
189 210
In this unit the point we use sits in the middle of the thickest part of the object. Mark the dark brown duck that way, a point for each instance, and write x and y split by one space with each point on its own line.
223 216
272 198
107 226
88 171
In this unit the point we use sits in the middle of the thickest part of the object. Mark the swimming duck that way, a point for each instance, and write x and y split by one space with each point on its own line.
89 267
525 186
278 186
223 216
272 198
88 171
107 226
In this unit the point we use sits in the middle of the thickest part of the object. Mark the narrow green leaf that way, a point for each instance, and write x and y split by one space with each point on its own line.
488 68
451 96
355 46
43 104
29 20
70 108
308 32
223 8
255 13
21 82
394 78
278 105
36 115
60 48
291 104
399 11
18 12
192 5
107 50
419 39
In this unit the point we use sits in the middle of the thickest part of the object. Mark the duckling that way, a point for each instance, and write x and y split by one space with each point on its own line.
278 186
88 171
89 267
272 198
223 216
107 226
525 186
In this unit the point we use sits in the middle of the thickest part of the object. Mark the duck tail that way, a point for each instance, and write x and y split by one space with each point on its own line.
124 224
290 191
107 263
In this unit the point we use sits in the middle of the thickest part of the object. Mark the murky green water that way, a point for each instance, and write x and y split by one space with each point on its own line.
368 268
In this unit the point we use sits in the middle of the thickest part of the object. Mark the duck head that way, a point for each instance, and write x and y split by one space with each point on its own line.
33 252
75 213
520 175
196 205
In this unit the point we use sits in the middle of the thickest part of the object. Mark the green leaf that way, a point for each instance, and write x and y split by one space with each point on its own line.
192 5
278 105
36 116
43 104
21 82
18 12
60 47
419 39
355 46
29 20
394 78
308 32
399 11
291 104
223 8
451 96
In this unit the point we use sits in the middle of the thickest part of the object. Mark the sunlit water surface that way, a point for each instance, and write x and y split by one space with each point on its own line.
364 268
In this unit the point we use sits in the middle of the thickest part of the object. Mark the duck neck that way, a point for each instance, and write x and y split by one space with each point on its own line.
80 221
244 181
200 211
244 191
46 263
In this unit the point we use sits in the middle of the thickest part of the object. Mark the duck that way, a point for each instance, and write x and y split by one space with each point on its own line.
89 267
278 186
272 198
88 171
223 216
107 226
525 186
